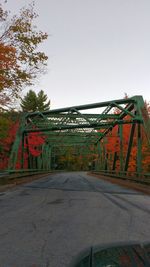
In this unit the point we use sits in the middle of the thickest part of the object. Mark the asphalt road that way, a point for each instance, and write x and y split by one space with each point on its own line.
48 222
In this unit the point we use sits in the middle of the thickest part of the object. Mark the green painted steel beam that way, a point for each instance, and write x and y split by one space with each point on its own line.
129 147
87 106
85 126
143 113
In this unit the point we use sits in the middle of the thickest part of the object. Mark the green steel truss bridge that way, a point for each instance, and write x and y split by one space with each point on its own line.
84 130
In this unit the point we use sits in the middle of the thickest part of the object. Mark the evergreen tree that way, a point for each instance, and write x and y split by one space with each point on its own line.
41 101
29 102
32 102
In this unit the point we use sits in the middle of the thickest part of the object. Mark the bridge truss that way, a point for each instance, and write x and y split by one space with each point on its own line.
86 130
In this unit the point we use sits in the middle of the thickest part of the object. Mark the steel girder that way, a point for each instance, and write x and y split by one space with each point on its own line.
76 126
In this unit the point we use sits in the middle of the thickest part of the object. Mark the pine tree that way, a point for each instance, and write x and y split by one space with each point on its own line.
32 102
29 103
41 101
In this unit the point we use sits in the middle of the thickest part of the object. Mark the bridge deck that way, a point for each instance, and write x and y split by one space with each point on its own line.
47 222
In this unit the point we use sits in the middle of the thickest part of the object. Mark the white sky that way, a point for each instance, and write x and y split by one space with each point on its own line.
98 49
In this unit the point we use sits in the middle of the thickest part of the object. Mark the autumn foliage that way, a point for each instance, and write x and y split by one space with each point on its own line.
20 59
34 142
33 145
7 66
113 146
6 143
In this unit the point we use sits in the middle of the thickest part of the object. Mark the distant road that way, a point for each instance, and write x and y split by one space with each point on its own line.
49 221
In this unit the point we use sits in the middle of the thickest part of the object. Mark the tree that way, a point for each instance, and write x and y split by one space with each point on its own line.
7 63
41 102
32 102
7 138
29 102
20 60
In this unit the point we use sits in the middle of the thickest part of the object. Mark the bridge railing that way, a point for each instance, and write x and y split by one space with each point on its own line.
143 178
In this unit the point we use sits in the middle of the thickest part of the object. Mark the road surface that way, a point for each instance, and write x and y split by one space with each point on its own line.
46 223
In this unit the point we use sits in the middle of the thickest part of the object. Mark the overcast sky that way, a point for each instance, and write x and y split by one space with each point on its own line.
98 49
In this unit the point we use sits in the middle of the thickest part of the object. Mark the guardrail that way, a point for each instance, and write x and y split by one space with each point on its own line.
7 177
143 178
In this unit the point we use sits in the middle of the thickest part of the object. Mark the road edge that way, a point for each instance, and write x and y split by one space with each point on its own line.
127 184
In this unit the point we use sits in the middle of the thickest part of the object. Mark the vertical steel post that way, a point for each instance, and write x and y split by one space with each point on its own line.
129 147
47 157
42 156
106 157
50 157
106 161
103 156
121 146
114 161
22 151
27 149
99 155
15 148
139 149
